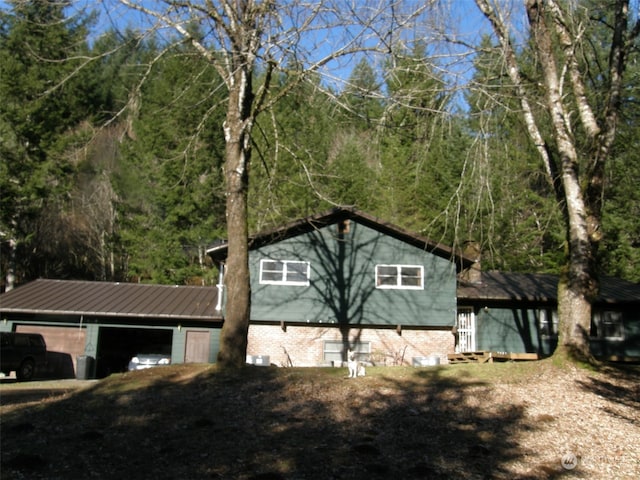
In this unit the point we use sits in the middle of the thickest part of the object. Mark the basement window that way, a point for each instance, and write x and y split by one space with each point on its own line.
409 277
284 272
334 350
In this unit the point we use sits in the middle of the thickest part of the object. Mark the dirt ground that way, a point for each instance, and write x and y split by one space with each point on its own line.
532 420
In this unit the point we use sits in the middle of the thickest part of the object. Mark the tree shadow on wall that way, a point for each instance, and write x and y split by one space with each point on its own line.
346 281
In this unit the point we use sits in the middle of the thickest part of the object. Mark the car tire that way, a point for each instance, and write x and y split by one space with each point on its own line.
26 370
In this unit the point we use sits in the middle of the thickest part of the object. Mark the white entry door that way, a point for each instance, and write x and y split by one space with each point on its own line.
466 330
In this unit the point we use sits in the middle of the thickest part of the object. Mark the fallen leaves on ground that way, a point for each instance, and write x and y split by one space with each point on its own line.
498 421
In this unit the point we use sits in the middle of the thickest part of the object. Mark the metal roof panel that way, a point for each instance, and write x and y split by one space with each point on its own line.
72 297
501 286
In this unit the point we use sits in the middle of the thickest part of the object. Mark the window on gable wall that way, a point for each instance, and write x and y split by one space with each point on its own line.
400 277
284 272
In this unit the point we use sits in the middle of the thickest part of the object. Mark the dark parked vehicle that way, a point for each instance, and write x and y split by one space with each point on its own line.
22 353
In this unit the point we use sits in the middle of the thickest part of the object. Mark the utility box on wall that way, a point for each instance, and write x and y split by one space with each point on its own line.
259 360
429 361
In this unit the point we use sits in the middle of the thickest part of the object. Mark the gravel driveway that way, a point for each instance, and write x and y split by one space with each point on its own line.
13 392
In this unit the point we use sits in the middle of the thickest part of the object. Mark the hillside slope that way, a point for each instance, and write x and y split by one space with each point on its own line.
499 421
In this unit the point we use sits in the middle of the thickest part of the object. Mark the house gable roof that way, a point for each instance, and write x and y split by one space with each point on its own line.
340 214
104 299
542 288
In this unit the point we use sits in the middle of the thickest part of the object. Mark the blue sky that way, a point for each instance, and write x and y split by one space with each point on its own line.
467 20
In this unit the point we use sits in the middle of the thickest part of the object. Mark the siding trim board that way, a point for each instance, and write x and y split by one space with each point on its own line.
398 328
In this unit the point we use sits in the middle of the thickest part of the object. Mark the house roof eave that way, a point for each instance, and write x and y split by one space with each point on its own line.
532 288
338 214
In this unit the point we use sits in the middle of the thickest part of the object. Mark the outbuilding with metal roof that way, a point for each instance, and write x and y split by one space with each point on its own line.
106 323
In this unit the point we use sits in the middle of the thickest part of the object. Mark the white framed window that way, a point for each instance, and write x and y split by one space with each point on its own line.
548 323
607 325
333 350
400 276
284 272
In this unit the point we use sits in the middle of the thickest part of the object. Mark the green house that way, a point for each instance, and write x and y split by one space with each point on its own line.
345 280
320 286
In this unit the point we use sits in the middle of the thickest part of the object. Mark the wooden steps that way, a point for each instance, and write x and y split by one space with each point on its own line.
489 357
469 357
513 357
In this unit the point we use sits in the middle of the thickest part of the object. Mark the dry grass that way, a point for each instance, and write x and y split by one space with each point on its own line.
497 421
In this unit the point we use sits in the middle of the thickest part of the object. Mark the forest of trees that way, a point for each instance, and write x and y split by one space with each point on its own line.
104 180
112 148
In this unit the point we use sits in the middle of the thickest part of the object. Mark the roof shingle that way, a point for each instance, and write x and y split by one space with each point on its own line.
502 286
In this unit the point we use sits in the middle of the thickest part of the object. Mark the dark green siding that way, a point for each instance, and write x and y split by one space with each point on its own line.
505 329
342 281
627 346
510 330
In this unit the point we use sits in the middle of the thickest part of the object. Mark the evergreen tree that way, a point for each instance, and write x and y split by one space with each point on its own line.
362 96
43 99
422 144
509 207
354 153
291 147
169 172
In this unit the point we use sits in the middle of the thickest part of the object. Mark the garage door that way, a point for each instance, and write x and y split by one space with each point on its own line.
117 345
64 344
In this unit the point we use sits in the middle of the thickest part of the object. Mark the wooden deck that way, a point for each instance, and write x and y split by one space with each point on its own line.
489 357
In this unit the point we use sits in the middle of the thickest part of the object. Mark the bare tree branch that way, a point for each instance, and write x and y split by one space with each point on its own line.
569 46
513 71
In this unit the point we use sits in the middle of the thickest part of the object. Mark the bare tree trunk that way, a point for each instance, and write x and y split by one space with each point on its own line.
579 193
233 338
579 287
